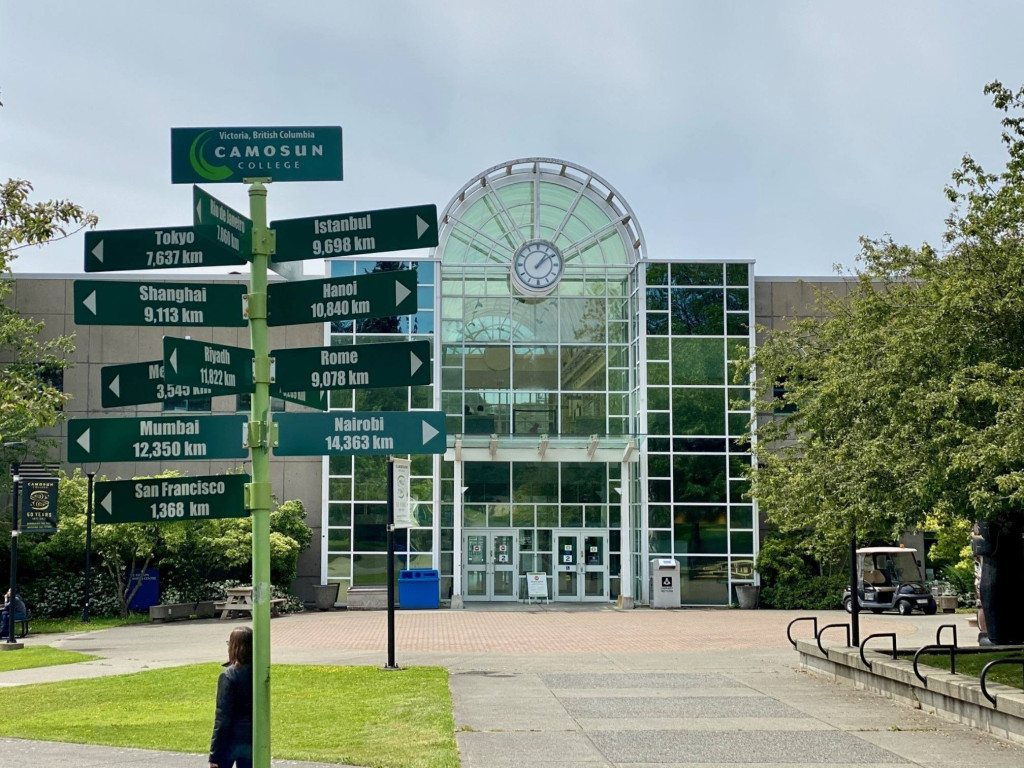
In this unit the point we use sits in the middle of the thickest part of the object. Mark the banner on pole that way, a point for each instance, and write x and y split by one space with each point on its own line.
400 493
39 505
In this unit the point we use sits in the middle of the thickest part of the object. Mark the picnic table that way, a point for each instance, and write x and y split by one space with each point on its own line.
239 601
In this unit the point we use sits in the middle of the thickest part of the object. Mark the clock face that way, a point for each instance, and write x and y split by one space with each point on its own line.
537 267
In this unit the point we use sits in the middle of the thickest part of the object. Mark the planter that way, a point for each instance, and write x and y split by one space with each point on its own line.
1001 548
326 595
748 595
947 603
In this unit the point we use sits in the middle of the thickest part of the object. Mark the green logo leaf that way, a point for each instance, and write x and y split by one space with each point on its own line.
199 164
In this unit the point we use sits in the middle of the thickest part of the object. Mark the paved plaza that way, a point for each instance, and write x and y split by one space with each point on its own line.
556 687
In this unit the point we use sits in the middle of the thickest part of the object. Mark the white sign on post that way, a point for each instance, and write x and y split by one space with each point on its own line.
400 493
537 585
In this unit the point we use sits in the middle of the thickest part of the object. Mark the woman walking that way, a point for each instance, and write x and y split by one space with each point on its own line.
231 745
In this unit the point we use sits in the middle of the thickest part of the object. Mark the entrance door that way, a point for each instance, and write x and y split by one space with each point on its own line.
490 567
581 565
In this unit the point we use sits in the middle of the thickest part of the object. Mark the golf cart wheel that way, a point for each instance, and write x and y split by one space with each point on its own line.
904 607
847 604
931 609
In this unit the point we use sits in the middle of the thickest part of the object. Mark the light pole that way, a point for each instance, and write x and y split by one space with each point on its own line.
88 547
16 467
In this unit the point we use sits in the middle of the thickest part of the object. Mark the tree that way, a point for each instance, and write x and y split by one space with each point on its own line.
29 398
906 400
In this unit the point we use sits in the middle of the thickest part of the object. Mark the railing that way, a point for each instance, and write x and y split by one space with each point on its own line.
864 643
987 667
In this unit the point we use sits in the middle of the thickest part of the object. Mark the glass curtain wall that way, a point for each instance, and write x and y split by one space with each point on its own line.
698 326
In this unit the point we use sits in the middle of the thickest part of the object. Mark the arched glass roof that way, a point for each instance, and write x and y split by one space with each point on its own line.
533 198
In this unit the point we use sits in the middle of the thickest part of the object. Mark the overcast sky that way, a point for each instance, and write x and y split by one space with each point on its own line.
773 131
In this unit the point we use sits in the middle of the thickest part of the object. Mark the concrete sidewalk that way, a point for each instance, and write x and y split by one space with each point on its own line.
567 689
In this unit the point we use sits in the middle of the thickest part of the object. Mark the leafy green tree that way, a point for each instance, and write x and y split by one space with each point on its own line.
906 400
29 399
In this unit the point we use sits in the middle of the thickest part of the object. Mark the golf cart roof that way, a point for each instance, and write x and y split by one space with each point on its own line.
884 550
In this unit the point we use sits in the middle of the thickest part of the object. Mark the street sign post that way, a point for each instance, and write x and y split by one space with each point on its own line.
161 438
224 155
221 224
225 370
316 400
169 499
381 294
140 383
360 433
355 366
355 234
163 248
117 302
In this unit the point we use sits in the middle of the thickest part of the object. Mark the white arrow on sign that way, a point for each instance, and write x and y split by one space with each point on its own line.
401 293
414 363
83 440
173 360
428 433
98 251
115 385
199 211
421 227
106 504
90 302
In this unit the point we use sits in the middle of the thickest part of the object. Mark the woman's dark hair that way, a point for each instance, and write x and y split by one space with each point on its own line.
240 646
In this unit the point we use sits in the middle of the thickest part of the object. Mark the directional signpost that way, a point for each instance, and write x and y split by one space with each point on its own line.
139 383
316 400
117 302
382 294
225 370
167 499
357 366
354 234
360 433
218 223
161 438
164 248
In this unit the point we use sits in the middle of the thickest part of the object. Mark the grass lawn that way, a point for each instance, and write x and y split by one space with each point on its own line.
75 624
39 656
971 664
357 715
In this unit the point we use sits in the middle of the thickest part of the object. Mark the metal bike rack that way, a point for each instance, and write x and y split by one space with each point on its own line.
829 626
789 634
864 643
938 634
952 649
987 667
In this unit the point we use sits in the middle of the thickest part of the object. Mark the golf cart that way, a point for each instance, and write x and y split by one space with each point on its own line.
890 577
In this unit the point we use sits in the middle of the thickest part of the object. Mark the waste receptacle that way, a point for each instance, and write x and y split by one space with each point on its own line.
664 583
419 588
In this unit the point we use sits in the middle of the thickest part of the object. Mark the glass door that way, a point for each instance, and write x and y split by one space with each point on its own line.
490 565
581 566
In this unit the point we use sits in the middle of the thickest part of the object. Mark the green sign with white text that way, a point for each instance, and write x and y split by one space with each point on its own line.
164 248
381 294
120 302
141 383
161 438
221 224
370 432
224 369
170 499
224 155
354 366
355 234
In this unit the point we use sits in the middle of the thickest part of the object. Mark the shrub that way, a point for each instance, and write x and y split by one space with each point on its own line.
792 579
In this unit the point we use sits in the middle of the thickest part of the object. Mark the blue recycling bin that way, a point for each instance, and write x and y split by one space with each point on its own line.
419 588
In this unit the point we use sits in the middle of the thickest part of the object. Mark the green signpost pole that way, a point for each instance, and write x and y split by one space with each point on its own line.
260 489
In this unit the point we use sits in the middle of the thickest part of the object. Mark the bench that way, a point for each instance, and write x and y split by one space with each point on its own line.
204 609
367 598
226 611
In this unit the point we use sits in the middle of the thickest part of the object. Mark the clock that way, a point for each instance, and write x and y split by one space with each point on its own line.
536 268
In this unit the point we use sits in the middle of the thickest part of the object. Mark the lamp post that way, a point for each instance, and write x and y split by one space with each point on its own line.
16 467
88 547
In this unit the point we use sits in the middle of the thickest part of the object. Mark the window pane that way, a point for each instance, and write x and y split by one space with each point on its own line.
704 580
698 361
696 312
698 411
699 478
583 368
535 367
696 274
700 530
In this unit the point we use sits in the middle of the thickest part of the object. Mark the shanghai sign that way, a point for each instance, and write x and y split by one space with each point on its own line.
116 302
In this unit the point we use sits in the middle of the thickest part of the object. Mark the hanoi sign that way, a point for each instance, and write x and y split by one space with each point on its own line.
219 155
354 234
167 499
355 366
161 438
119 302
369 432
164 248
381 294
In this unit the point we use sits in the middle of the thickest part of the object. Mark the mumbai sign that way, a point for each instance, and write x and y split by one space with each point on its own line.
354 234
369 432
221 224
223 155
119 302
169 499
356 366
161 438
225 370
141 383
163 248
381 294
